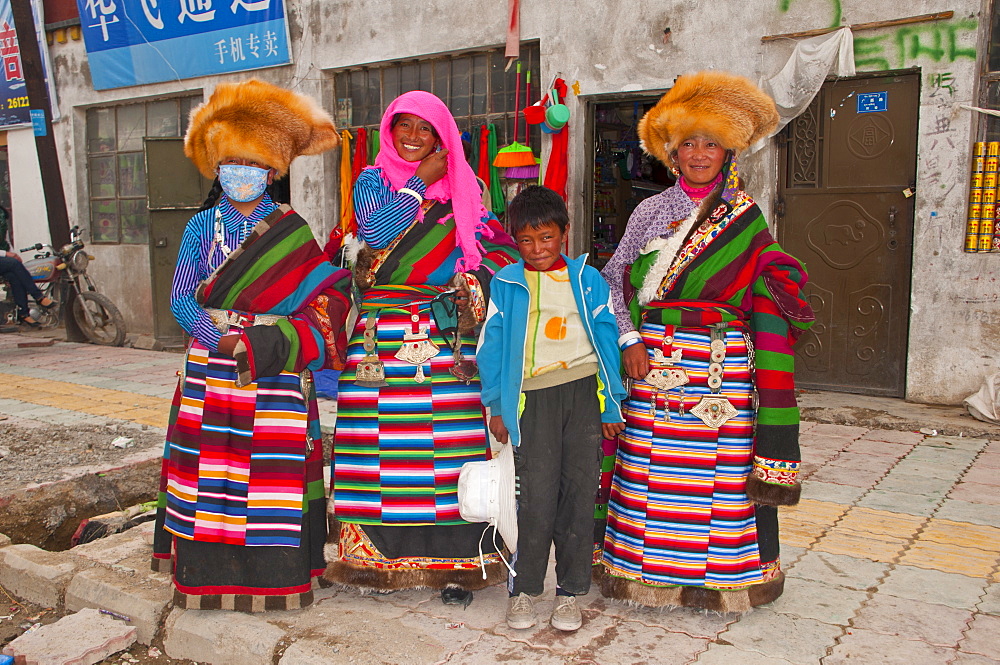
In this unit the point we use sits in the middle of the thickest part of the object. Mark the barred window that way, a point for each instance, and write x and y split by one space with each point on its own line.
116 164
473 85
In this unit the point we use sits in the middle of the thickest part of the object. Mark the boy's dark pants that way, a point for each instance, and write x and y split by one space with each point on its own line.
558 464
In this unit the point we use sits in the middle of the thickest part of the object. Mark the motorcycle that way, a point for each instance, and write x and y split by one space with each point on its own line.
60 275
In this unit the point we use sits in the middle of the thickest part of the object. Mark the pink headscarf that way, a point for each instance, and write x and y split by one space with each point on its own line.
459 185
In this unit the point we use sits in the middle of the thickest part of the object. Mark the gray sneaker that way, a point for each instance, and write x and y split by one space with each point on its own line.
521 612
566 615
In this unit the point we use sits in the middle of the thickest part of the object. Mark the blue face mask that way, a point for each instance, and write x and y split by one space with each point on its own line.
242 183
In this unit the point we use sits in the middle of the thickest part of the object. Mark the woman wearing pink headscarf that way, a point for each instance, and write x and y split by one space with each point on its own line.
409 411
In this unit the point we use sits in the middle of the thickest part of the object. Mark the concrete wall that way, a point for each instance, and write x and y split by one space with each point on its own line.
614 48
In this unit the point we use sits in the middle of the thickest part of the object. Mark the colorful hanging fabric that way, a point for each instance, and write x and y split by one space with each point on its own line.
496 191
557 169
474 148
373 146
483 168
360 154
346 184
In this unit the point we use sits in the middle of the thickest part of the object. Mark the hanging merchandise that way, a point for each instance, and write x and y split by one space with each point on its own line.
557 170
360 154
483 167
976 188
373 145
525 172
515 154
346 185
496 191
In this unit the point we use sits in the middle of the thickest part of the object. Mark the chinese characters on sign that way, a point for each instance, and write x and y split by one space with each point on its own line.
131 42
13 98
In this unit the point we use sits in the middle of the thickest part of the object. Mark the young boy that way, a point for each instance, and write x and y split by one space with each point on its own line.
550 369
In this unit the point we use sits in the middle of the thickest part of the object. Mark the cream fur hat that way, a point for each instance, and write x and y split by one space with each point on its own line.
718 105
259 121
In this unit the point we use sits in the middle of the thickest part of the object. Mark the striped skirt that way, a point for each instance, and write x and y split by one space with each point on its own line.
678 512
242 506
398 451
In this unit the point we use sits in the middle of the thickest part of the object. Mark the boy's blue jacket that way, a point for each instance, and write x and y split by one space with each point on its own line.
500 354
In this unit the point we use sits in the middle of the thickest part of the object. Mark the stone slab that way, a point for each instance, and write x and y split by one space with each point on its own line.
838 569
990 602
860 645
914 619
849 431
893 436
820 491
983 637
923 505
809 599
36 575
726 654
220 638
632 642
901 481
932 586
140 598
4 540
770 634
84 638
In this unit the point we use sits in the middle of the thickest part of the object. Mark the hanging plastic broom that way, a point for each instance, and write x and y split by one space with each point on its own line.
515 154
525 172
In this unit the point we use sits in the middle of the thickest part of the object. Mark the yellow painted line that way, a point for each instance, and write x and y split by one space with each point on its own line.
976 536
823 513
950 558
880 523
142 409
863 546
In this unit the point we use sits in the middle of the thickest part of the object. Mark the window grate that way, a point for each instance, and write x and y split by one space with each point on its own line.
116 165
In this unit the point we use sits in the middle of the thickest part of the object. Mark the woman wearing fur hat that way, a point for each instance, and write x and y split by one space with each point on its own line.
409 411
242 515
702 464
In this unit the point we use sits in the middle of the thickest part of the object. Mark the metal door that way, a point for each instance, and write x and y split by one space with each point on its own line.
175 190
845 208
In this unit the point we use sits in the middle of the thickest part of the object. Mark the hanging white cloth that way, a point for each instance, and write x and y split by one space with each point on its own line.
799 81
985 404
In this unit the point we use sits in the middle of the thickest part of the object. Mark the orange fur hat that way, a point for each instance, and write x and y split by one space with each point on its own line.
713 104
260 121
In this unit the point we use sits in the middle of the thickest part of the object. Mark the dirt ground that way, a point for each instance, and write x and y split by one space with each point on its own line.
38 454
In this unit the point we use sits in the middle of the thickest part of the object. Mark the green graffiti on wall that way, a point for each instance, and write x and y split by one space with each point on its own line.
785 5
906 45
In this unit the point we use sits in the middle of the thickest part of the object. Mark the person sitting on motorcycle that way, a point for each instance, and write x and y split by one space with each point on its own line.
21 286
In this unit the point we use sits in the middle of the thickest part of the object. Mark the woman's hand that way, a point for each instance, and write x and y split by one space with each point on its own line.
433 167
636 361
498 429
611 430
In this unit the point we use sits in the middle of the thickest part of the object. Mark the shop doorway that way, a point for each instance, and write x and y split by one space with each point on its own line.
620 175
175 190
845 208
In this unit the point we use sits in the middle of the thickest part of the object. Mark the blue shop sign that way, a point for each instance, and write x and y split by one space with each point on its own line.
132 42
873 102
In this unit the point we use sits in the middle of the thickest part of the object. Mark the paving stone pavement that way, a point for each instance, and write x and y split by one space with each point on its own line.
892 556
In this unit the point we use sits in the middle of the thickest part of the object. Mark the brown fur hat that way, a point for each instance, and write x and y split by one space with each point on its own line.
717 105
260 121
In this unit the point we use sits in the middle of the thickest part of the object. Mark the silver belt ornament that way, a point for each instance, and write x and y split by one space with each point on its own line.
370 372
417 347
714 409
665 378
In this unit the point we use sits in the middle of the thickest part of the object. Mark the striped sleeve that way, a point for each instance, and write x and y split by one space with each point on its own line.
191 269
381 213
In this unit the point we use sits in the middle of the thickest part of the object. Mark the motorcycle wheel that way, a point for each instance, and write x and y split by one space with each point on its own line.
99 319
